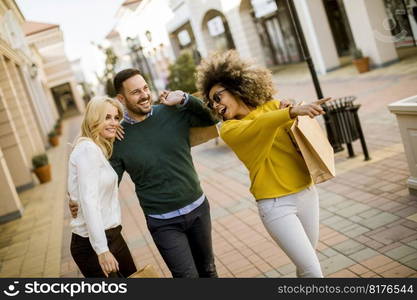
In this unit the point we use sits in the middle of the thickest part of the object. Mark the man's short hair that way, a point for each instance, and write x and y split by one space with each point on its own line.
122 76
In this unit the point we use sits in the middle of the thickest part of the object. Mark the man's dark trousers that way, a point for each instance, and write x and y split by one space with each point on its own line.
185 242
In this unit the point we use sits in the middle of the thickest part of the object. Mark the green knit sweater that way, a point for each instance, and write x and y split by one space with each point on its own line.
156 154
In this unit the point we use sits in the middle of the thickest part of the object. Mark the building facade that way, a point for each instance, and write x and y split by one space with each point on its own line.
21 129
151 34
140 39
28 111
263 29
60 78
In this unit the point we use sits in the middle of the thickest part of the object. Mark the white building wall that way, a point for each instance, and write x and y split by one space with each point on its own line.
237 29
249 29
244 34
367 19
44 116
318 35
152 16
50 44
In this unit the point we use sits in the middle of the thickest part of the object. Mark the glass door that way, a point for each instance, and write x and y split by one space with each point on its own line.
400 18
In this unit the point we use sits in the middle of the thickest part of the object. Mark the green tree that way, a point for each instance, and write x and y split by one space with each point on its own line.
109 71
182 74
110 91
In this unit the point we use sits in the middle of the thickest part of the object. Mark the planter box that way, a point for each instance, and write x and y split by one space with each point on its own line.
406 112
43 173
54 141
362 64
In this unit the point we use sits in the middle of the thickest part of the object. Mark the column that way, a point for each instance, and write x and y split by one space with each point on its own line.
316 28
51 102
41 109
10 205
367 20
79 102
16 111
244 33
27 107
12 150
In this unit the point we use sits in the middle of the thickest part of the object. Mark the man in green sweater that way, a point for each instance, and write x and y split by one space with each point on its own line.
155 152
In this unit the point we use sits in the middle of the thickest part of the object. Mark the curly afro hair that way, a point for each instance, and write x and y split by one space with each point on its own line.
253 85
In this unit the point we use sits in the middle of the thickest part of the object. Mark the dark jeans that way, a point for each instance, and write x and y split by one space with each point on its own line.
87 260
185 243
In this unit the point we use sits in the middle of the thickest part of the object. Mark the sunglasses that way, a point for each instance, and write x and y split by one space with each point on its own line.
216 98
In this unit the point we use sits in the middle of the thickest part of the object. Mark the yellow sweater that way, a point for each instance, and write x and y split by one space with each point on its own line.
261 141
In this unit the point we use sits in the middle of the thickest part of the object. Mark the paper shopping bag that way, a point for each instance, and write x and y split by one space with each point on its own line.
199 135
315 148
146 272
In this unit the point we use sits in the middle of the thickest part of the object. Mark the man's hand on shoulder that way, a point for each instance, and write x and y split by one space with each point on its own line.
173 98
120 133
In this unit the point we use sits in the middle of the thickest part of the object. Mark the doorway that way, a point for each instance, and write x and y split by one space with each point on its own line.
277 32
64 100
339 25
216 32
402 18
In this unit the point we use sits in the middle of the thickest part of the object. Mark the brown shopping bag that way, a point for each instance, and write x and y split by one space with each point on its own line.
317 152
199 135
146 272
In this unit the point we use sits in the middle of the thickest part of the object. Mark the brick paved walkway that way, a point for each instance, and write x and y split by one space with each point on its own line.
368 220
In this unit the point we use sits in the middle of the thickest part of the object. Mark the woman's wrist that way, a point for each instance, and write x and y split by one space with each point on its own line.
293 112
102 251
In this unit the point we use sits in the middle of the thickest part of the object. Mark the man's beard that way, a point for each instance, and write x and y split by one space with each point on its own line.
137 109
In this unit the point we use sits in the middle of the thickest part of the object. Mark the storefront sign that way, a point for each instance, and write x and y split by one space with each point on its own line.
184 37
263 7
215 26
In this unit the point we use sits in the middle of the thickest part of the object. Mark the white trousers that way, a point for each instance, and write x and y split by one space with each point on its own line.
293 222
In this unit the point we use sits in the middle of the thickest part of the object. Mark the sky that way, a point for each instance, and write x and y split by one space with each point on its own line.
82 21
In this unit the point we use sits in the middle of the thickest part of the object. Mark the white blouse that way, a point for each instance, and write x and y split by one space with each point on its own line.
92 182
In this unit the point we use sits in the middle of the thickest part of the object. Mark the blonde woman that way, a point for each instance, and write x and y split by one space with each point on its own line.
256 128
97 245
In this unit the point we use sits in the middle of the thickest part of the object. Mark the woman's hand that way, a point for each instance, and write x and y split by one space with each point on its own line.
108 263
312 110
120 133
73 206
172 98
163 95
286 103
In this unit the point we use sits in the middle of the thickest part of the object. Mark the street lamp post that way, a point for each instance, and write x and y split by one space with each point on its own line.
137 50
153 67
307 57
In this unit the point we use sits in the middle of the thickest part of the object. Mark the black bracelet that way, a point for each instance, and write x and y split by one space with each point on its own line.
183 98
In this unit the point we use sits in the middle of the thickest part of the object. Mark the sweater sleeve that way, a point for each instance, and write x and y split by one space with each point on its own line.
117 163
256 135
199 115
88 164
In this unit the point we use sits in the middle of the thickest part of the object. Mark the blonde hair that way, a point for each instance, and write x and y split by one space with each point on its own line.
93 122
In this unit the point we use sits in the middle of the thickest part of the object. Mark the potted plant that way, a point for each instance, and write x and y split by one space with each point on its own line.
53 138
41 167
361 62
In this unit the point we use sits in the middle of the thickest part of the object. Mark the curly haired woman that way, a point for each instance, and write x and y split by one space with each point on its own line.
256 129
